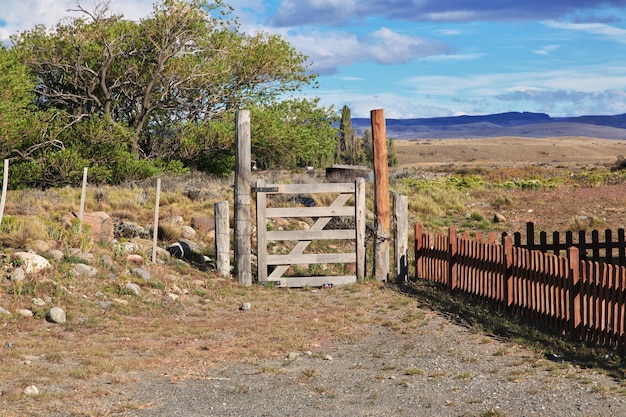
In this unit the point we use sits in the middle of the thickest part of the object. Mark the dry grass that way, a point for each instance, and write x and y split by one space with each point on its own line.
188 337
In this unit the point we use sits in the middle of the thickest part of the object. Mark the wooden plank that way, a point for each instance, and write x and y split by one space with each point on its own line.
302 245
359 212
272 212
311 258
339 187
261 233
340 234
318 281
401 221
222 238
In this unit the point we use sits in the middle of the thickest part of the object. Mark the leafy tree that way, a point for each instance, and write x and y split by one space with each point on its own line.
157 86
349 144
368 149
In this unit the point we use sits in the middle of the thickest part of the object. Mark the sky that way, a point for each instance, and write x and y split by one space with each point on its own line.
428 58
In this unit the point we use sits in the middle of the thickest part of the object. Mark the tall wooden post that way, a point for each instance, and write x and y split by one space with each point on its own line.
243 169
381 192
400 250
5 180
81 211
155 228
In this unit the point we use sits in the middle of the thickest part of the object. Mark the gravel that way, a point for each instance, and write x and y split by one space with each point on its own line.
439 368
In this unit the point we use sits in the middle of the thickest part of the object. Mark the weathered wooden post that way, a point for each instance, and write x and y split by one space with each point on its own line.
401 222
155 231
360 227
222 238
5 180
381 192
243 169
81 212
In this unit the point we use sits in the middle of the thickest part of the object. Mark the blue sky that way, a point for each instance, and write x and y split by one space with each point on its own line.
430 58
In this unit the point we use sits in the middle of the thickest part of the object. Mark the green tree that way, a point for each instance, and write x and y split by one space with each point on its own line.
368 149
349 144
180 71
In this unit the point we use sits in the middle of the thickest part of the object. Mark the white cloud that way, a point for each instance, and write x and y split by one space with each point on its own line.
612 32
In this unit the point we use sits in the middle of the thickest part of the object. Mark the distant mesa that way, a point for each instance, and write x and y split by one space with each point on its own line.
521 124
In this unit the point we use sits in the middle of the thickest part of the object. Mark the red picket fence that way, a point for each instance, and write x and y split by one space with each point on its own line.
610 249
584 299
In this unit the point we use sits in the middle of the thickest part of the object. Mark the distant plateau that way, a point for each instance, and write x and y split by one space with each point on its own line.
519 124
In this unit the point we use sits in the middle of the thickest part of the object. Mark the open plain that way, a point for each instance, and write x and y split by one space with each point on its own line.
183 346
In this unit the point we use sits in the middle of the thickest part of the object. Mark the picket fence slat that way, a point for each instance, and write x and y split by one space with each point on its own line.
557 288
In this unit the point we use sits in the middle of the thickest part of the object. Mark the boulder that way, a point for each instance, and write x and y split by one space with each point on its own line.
100 222
31 262
203 224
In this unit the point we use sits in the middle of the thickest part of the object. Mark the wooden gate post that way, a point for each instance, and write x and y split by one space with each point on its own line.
222 238
243 169
359 203
5 180
381 192
401 222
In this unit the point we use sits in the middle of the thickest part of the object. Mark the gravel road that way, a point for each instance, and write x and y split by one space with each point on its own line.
440 368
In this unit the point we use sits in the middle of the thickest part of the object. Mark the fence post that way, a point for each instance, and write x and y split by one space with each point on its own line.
452 252
359 200
5 180
155 231
381 192
243 169
530 235
81 212
507 272
574 290
401 222
222 238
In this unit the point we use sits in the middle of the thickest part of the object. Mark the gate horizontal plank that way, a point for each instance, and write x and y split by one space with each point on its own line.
311 234
293 282
309 211
312 258
347 187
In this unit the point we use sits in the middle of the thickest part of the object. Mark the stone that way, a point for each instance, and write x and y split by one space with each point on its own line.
203 224
142 273
38 302
132 288
18 275
174 220
24 312
4 312
39 246
31 262
245 306
135 259
187 232
55 254
102 229
56 315
499 218
170 298
85 270
31 391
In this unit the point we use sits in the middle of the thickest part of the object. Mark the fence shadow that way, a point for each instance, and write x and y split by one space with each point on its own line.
482 316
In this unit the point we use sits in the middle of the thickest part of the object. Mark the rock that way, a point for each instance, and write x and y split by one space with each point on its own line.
245 306
135 259
12 391
132 289
125 248
203 224
17 275
498 218
55 254
25 312
105 260
328 358
187 232
56 315
4 312
174 220
104 304
130 230
39 246
142 273
100 222
85 270
31 262
85 257
171 298
38 302
31 391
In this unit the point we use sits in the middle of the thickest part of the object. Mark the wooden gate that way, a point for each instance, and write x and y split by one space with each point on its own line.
299 255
